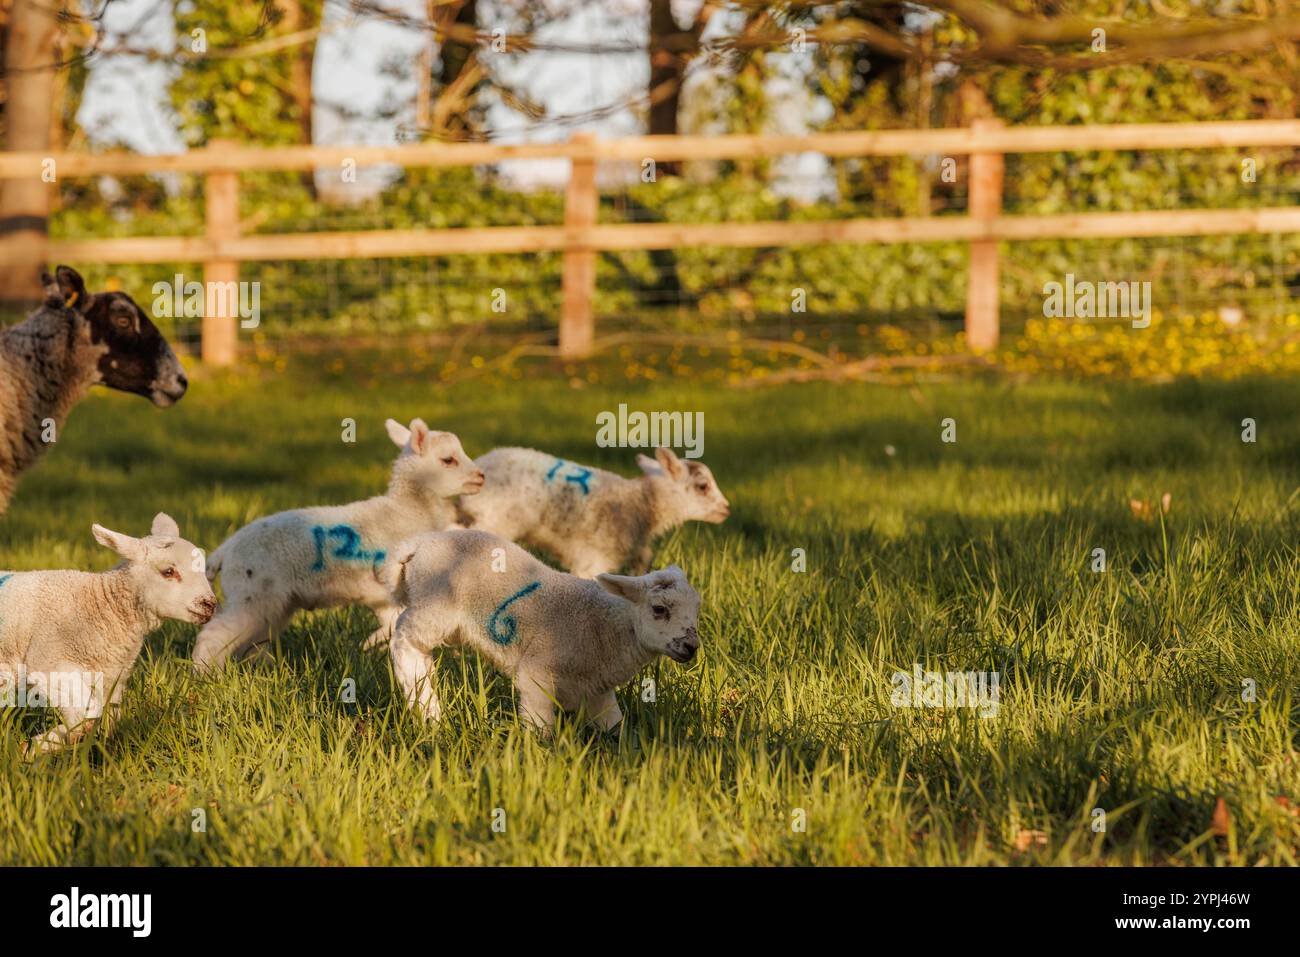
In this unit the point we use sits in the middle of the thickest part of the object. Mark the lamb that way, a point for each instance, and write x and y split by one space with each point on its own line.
324 557
592 521
74 636
49 361
564 640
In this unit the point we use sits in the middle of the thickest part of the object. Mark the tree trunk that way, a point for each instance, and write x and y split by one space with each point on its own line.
455 53
25 203
298 17
424 70
667 70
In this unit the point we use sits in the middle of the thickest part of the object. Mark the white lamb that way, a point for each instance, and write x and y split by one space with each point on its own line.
564 640
591 520
69 639
324 557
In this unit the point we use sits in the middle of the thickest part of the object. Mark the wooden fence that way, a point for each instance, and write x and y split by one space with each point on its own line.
580 238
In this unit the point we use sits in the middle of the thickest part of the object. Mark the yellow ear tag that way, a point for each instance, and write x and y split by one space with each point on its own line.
71 300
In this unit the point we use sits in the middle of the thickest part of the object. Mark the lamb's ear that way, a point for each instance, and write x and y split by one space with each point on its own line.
624 586
667 579
399 433
132 549
73 288
165 526
671 463
420 441
648 465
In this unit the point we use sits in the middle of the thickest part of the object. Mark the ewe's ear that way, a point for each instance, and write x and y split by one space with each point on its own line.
399 433
73 288
165 526
50 290
671 463
420 441
132 549
648 465
624 586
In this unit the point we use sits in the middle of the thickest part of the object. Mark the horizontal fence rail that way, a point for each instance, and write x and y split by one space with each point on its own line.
960 141
581 237
381 244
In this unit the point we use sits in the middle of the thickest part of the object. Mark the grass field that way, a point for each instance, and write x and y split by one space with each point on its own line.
1120 690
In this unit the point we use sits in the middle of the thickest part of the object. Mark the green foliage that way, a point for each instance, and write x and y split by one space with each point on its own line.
738 286
241 97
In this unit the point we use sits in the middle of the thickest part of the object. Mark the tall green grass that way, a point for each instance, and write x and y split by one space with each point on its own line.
1120 690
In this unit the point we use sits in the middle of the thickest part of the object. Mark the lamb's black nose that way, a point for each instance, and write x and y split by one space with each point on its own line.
182 381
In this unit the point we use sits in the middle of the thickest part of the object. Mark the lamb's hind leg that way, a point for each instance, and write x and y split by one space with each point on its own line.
588 563
79 717
387 615
415 636
236 628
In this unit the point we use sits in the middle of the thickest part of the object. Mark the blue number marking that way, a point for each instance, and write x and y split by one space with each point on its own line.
348 547
579 476
5 578
318 533
501 629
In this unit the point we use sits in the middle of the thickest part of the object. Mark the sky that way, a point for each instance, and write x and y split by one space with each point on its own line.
126 97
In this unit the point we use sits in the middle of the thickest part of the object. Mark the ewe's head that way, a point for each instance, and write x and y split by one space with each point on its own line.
434 461
665 608
690 486
166 576
133 355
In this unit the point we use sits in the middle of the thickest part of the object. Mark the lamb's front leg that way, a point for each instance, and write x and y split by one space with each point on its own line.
604 711
56 739
387 615
536 704
237 630
77 723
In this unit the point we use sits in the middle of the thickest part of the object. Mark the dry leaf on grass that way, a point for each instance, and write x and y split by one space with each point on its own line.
1145 511
1027 839
1221 819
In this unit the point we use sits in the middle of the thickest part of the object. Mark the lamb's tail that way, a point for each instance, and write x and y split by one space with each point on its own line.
391 571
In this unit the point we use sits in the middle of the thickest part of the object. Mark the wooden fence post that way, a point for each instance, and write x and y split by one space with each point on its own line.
581 201
220 312
984 202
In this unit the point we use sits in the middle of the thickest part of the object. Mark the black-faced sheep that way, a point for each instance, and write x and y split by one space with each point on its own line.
49 361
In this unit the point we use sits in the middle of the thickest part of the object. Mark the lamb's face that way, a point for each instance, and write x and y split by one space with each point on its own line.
133 355
666 610
694 491
164 571
435 460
